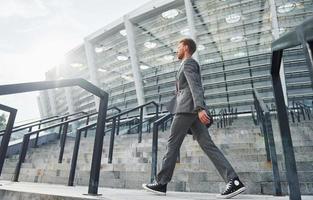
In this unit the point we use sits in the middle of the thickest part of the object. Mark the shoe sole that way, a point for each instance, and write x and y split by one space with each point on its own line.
153 191
241 190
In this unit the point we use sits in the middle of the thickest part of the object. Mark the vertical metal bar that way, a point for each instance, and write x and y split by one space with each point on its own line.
98 145
37 136
140 125
110 158
267 148
21 157
74 159
87 122
6 137
272 148
60 129
290 161
118 125
63 140
154 162
157 111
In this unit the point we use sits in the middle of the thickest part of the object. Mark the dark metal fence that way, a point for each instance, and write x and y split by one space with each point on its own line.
7 133
112 136
302 35
264 119
155 137
100 125
225 117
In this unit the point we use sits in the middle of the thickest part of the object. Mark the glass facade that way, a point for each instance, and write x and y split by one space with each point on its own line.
234 50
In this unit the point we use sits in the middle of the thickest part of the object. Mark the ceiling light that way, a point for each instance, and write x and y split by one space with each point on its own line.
238 38
150 45
121 57
144 67
102 70
185 32
127 77
170 14
201 47
299 5
76 65
286 7
239 54
168 57
233 18
123 32
99 49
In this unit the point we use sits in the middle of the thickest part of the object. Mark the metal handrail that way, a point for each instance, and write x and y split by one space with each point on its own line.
155 136
45 122
7 134
86 127
264 119
103 103
28 123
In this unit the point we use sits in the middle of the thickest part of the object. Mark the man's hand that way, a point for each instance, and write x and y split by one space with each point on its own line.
203 116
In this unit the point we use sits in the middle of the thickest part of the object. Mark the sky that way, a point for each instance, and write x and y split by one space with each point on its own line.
36 34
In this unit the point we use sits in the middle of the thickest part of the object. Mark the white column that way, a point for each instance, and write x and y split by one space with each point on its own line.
70 105
52 102
191 24
275 33
134 60
40 107
90 54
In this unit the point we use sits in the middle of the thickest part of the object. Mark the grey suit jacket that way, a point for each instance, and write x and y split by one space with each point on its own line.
189 92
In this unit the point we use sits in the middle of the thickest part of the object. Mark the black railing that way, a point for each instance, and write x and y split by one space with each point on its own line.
155 137
39 123
98 144
7 133
302 35
113 127
264 119
225 117
301 111
27 136
32 122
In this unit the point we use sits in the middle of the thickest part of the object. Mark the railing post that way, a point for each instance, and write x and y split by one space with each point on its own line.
272 148
74 159
21 157
60 129
140 125
98 145
154 152
118 125
63 140
87 122
290 161
7 134
110 158
37 136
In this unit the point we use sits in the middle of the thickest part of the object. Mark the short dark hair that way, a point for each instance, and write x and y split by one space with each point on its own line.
190 43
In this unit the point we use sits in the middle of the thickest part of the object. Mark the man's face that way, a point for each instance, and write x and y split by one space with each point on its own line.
181 51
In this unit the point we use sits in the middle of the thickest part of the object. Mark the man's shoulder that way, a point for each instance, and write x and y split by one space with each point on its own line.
191 63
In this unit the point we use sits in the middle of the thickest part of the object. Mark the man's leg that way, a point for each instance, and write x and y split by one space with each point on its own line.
179 128
201 134
234 186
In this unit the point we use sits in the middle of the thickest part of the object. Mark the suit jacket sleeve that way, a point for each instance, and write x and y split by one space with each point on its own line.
193 77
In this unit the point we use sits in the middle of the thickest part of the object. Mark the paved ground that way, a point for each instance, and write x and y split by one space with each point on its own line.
23 190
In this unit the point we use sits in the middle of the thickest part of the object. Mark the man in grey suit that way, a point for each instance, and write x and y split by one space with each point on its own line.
190 114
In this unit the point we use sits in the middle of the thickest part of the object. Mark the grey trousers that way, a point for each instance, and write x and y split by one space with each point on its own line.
179 128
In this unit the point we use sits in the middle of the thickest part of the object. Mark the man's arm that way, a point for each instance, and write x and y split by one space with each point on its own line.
194 81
